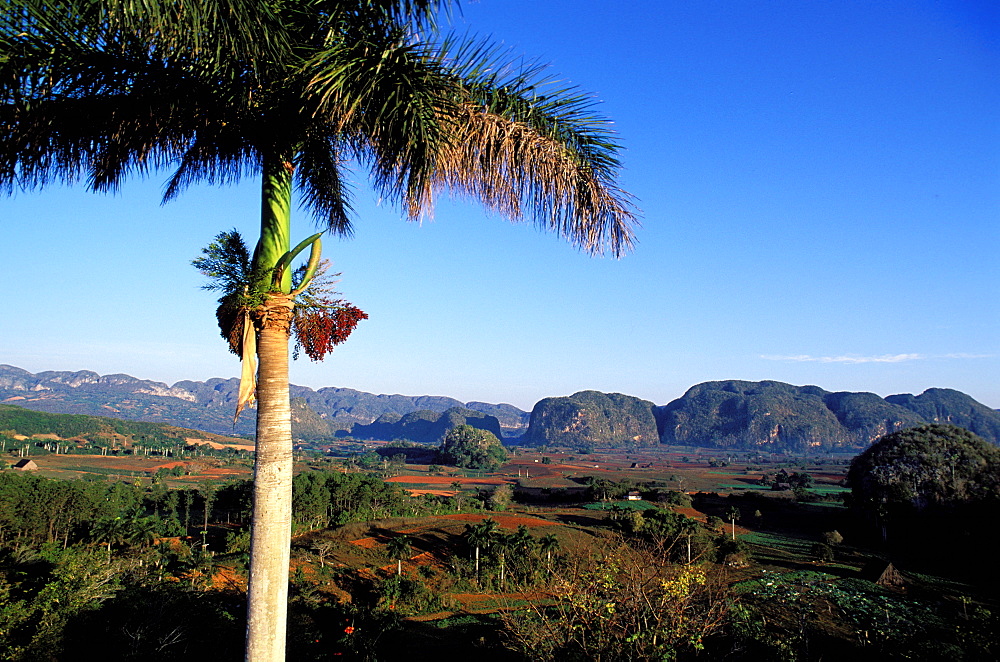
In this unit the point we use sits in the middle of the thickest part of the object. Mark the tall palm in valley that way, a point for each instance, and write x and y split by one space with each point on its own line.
688 527
295 93
399 548
548 544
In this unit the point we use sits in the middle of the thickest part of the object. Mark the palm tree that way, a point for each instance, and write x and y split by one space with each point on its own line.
207 491
481 535
733 514
503 543
459 495
548 544
142 531
399 548
687 527
110 531
294 92
521 545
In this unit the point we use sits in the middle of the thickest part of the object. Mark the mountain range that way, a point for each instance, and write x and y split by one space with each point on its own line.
766 415
209 405
773 415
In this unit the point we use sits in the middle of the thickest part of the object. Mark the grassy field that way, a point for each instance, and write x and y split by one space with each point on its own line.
138 467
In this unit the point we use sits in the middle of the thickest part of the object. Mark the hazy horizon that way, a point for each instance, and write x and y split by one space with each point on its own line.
523 407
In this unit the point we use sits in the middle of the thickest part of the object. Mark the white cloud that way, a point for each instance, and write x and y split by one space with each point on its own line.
885 358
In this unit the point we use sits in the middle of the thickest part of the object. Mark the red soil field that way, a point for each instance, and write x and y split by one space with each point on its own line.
217 446
127 463
690 512
701 517
167 465
224 471
827 477
445 480
505 521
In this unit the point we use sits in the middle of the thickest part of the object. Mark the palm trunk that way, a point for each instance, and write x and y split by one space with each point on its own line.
272 501
271 531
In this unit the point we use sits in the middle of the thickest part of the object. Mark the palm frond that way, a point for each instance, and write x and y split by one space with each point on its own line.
101 89
319 170
497 131
226 263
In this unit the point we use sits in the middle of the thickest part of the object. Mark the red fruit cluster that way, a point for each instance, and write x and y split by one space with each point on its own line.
318 330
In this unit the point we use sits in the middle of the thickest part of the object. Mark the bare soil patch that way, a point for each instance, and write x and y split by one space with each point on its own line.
504 520
217 446
443 493
446 480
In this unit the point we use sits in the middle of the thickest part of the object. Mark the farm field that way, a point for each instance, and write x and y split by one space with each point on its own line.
463 573
776 535
137 467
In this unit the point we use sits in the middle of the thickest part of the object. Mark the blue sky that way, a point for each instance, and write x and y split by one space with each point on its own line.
820 192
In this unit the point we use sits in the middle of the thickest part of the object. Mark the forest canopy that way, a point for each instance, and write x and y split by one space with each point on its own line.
924 467
472 448
930 492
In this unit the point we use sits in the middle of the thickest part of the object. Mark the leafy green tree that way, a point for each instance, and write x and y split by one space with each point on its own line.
102 89
472 448
800 479
925 466
832 538
501 497
311 500
110 531
731 552
34 620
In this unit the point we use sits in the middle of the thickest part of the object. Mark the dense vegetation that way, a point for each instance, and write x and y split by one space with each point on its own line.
782 417
89 432
588 419
425 426
125 571
930 491
472 448
135 570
